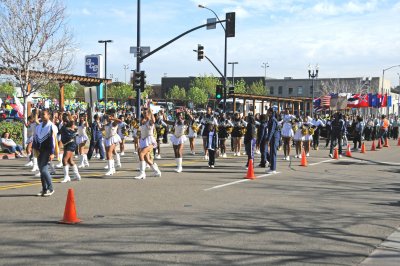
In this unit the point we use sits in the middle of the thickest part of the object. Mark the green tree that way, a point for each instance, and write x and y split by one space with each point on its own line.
120 91
207 84
7 88
52 91
80 91
176 93
257 88
148 92
240 86
197 96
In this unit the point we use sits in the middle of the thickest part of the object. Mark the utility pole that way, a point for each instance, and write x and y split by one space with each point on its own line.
125 68
265 66
233 71
138 60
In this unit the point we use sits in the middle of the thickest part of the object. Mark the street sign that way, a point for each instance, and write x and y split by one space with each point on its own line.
144 49
214 25
94 66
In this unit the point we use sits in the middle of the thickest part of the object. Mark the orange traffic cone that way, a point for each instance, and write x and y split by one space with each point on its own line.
398 142
379 144
336 154
250 170
348 152
373 148
386 143
363 148
70 211
303 159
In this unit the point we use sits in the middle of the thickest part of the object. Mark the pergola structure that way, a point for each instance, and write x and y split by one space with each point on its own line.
59 78
281 102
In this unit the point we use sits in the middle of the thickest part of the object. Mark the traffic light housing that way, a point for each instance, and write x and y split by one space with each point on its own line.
219 92
230 24
137 79
142 81
200 52
231 90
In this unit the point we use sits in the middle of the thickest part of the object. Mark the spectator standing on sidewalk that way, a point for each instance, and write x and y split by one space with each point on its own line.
337 131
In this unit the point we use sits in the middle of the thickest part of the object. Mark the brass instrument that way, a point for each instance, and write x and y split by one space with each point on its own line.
196 127
243 131
295 127
304 131
135 124
312 130
229 129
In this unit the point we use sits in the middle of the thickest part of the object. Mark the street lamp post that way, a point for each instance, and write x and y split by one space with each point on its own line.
105 69
125 68
225 52
233 71
265 66
312 74
383 78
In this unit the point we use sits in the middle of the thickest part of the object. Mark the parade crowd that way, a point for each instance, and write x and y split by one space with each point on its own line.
65 136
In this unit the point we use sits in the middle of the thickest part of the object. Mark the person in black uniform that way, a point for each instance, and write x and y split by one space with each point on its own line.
273 138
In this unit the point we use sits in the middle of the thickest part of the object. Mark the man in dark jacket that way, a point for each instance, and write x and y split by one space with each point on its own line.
262 135
274 135
96 140
338 128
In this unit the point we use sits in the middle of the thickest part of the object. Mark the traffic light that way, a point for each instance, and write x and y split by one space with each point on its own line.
231 90
142 81
200 52
230 24
136 78
218 92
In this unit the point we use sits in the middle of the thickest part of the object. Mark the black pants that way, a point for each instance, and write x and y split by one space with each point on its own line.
222 145
96 144
395 132
264 154
357 140
336 139
211 157
316 139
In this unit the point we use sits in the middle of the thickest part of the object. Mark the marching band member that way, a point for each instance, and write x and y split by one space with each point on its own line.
59 124
81 140
287 133
160 126
146 144
212 144
318 124
96 141
45 145
135 133
178 138
250 138
193 129
208 119
33 121
111 140
122 132
298 137
224 125
68 136
237 133
272 139
308 132
262 134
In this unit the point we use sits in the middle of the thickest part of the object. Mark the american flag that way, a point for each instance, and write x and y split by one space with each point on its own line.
326 101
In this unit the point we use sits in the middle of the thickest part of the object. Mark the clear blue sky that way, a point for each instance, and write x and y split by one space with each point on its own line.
346 38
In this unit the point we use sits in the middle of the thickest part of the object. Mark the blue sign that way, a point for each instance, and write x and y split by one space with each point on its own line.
93 66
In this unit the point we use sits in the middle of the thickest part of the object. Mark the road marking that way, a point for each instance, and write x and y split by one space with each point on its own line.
238 181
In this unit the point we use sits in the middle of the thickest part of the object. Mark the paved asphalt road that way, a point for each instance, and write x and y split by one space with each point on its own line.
333 212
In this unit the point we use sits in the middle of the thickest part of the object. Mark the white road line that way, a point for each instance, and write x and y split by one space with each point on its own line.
312 164
238 181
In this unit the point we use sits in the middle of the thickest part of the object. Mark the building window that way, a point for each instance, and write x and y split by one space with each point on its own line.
299 90
271 90
290 91
280 90
311 90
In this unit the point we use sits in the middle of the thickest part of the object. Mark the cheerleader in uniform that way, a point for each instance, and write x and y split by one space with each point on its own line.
81 140
146 144
237 133
68 134
193 129
178 139
287 134
298 137
223 125
111 140
122 133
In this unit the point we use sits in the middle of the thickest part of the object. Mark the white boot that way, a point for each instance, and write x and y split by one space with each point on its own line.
29 163
113 166
81 163
66 175
76 173
85 160
118 161
178 165
142 168
157 172
60 164
35 165
109 167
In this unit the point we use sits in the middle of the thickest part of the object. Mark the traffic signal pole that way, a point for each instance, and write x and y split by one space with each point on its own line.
138 61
